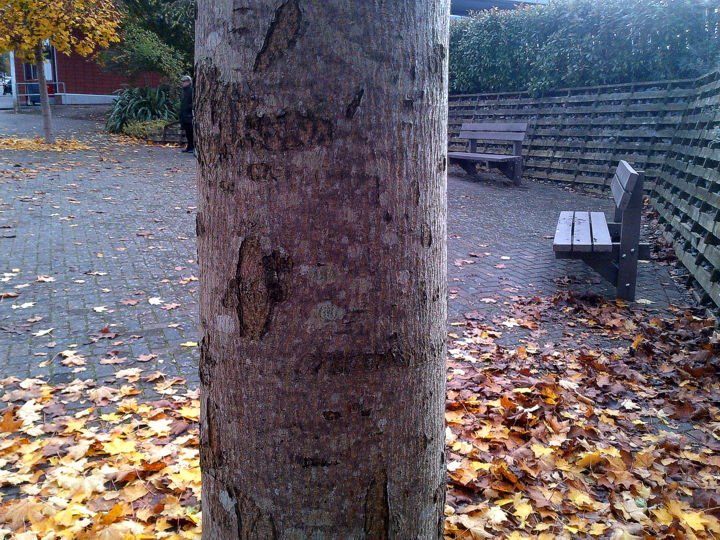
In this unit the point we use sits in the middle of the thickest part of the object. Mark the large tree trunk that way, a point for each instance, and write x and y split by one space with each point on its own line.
44 98
321 240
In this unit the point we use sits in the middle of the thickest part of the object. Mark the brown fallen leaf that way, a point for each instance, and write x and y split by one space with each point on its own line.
9 424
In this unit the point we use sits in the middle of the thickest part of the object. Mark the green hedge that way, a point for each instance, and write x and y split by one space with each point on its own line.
571 43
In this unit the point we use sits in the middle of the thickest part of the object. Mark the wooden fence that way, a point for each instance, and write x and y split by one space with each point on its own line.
687 190
667 128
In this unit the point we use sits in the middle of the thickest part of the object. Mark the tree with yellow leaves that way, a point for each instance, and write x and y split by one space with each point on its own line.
81 26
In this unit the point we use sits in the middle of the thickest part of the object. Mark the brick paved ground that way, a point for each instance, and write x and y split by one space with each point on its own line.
112 229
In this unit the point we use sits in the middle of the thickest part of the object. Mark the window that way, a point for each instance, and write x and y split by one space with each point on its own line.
30 72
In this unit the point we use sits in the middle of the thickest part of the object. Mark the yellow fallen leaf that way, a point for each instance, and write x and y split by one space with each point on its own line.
610 451
133 492
695 520
119 446
69 516
191 413
539 450
589 459
523 510
663 516
580 498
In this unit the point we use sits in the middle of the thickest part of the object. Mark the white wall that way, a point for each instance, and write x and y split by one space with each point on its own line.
86 99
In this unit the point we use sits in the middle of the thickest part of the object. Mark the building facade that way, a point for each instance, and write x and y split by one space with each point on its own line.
72 80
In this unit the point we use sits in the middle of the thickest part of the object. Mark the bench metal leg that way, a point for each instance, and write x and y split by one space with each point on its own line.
517 172
629 244
517 164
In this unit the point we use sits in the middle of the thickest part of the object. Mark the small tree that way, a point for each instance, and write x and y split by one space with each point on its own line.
81 26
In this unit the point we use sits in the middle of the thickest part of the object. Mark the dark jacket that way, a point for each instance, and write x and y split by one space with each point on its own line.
186 112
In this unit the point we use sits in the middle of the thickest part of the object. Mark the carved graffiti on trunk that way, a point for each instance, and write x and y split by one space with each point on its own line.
281 35
252 523
207 362
211 454
289 130
260 285
377 509
354 104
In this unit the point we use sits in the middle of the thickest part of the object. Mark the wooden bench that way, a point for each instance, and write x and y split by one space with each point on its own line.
509 164
612 249
171 133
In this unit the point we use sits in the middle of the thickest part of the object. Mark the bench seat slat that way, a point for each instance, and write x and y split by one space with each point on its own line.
482 157
582 239
600 233
563 232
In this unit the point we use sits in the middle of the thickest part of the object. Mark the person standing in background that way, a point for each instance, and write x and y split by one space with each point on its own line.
186 112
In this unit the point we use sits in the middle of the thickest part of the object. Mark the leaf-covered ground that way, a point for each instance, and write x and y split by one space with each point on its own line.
38 144
552 441
70 470
565 440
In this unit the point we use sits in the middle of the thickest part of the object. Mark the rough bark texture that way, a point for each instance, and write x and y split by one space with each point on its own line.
321 240
44 98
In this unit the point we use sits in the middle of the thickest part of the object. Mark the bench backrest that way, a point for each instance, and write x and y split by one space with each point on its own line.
494 131
624 184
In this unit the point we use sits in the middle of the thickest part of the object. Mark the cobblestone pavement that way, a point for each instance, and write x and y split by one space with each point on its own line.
99 246
111 233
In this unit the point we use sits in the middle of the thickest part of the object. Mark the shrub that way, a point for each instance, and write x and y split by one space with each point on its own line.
142 129
143 104
583 43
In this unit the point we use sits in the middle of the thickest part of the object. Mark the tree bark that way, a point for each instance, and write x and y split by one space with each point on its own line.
321 231
44 98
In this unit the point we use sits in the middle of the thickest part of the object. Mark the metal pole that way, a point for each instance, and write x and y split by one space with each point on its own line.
13 83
